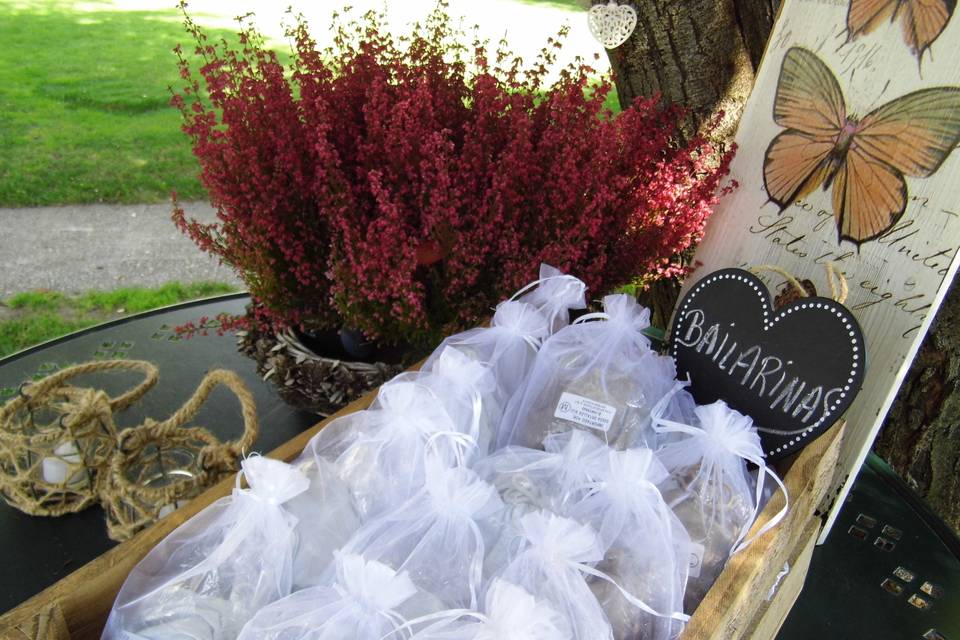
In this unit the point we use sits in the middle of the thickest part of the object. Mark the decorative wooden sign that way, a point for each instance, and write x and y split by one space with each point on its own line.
847 154
794 370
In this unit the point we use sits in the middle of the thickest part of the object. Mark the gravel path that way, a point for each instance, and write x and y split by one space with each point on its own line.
78 248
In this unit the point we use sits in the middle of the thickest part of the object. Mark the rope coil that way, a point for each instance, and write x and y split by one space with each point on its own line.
159 465
838 284
56 439
61 451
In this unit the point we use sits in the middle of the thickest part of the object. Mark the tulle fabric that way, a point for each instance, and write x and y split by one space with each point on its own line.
205 580
600 376
468 391
646 547
509 345
550 479
710 488
327 517
509 613
380 454
364 600
549 562
438 537
555 294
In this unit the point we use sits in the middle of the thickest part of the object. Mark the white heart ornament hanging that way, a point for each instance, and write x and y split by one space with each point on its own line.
612 23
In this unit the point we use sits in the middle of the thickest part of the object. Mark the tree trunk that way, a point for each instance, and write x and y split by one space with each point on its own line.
921 436
704 54
698 53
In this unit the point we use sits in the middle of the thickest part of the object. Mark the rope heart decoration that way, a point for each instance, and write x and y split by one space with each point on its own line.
612 23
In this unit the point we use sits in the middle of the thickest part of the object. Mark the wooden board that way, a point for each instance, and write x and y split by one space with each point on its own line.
821 94
774 612
48 624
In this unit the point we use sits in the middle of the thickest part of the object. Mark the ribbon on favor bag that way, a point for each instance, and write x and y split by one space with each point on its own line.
510 612
460 493
567 543
373 586
741 448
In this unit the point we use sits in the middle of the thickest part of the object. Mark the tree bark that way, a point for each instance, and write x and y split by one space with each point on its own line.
699 53
921 436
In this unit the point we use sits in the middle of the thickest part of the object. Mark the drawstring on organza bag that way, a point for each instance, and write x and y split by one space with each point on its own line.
566 543
555 294
362 601
457 375
733 436
373 586
645 544
520 320
509 613
554 550
439 521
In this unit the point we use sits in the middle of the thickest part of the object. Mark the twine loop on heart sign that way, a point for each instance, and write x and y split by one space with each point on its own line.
838 283
612 23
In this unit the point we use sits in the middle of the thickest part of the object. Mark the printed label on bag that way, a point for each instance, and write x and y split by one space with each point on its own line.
585 412
696 559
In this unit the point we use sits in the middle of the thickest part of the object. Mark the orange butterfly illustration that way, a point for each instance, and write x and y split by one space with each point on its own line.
864 159
922 21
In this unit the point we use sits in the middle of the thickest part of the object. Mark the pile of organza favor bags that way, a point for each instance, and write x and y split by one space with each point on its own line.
535 480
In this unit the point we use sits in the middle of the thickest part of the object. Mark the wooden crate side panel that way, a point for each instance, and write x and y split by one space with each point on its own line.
733 602
898 277
86 595
771 615
49 624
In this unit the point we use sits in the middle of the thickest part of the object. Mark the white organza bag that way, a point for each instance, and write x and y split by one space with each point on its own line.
364 600
509 345
710 489
509 613
468 392
437 537
599 376
551 479
380 453
550 562
647 550
555 294
327 517
208 577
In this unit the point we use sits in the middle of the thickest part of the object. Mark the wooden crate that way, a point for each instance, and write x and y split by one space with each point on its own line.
734 607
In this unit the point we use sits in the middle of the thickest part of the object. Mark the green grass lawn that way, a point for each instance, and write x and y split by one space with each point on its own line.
84 104
33 317
84 107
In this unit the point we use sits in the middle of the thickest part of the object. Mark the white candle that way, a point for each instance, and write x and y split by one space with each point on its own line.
55 468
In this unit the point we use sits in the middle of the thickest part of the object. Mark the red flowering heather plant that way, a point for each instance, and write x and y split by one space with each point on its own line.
403 187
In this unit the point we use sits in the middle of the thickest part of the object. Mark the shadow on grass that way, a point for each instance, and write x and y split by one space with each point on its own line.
84 106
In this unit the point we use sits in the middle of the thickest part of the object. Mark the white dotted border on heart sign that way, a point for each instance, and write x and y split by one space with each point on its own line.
760 289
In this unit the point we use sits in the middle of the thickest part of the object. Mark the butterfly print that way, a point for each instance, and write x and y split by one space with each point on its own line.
864 159
922 21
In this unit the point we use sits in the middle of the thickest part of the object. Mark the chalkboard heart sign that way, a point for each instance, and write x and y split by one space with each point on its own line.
794 371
